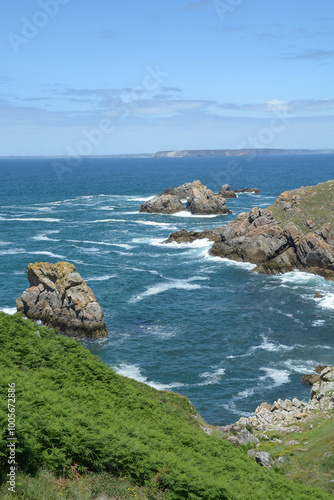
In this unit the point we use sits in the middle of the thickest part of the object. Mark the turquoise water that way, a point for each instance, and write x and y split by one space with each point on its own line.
178 319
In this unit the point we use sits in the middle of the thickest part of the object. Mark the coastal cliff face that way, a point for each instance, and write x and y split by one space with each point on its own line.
61 299
296 232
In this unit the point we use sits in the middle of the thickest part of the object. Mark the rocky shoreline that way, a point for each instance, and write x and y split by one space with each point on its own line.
296 232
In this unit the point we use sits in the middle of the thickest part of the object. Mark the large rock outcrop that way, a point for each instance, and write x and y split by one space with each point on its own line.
61 299
296 232
199 200
163 204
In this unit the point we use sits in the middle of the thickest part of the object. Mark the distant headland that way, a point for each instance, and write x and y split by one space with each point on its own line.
195 153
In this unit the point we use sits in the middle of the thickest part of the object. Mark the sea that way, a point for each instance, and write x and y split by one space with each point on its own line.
178 319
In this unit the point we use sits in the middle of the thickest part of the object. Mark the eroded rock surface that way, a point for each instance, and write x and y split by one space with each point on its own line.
198 198
61 299
296 232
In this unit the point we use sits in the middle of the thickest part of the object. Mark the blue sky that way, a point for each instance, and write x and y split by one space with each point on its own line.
112 77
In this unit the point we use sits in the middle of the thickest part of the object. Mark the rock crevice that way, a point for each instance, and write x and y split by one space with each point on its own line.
61 299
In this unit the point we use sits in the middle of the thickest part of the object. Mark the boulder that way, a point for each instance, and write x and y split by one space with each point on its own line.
310 379
185 190
245 437
226 192
205 202
200 200
261 457
61 299
163 204
184 236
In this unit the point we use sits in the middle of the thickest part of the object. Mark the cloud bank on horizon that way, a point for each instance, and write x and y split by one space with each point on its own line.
134 77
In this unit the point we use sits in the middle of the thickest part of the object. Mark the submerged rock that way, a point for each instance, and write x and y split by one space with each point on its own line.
61 299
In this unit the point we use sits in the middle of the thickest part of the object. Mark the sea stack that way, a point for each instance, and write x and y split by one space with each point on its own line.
61 299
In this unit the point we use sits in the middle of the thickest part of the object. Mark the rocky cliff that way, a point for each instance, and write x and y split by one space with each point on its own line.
296 232
61 299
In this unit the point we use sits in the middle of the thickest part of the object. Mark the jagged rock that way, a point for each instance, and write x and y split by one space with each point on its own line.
282 415
244 437
200 200
310 379
165 204
261 457
226 192
318 295
61 299
247 190
186 190
277 239
184 236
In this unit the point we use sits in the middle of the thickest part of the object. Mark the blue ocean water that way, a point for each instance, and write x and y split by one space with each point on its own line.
178 319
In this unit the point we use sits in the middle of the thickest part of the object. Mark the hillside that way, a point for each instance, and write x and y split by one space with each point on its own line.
75 415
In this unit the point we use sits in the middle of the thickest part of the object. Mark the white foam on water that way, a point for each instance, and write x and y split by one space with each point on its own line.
8 310
298 278
300 366
120 245
223 260
106 207
185 213
31 219
12 251
162 225
211 377
156 242
49 254
245 393
4 243
279 377
44 236
135 372
266 345
326 302
201 243
164 287
98 221
140 198
318 322
102 278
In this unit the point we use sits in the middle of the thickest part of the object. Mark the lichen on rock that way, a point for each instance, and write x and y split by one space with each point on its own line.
61 299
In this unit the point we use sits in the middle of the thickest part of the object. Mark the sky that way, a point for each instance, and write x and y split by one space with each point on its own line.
84 77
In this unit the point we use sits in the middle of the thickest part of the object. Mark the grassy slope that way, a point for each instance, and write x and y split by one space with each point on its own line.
72 409
311 461
314 202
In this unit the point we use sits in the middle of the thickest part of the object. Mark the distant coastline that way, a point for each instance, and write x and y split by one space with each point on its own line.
193 153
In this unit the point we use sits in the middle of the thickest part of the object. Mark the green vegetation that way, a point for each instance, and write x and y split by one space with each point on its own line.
310 208
311 461
75 416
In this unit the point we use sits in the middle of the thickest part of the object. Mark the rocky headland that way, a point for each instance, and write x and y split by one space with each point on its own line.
61 299
296 232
